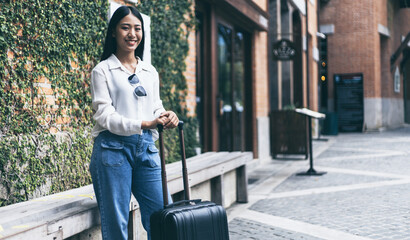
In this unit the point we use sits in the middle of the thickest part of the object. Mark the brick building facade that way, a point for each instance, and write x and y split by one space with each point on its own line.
232 76
361 38
266 84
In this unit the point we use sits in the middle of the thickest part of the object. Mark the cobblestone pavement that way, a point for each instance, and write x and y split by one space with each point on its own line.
365 193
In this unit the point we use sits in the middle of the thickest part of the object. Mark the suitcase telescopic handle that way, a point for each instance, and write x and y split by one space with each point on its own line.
163 171
183 158
163 166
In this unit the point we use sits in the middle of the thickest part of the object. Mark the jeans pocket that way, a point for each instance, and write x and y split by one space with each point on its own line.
112 153
151 158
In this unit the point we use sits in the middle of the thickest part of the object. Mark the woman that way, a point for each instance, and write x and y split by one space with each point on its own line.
127 105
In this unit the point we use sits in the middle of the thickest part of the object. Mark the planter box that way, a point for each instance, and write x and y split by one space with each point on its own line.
289 133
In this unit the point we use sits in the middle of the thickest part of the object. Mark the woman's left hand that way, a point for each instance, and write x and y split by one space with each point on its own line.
171 119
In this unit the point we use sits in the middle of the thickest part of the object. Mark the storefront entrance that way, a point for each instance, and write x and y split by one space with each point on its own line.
224 82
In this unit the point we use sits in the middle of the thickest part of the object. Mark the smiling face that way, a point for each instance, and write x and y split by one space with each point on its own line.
128 34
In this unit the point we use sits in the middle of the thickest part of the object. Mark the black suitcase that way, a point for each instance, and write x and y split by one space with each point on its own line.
187 219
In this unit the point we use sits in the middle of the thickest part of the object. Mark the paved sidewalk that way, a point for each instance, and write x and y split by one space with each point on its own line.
365 193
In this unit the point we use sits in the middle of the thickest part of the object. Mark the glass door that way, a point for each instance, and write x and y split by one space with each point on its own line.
230 95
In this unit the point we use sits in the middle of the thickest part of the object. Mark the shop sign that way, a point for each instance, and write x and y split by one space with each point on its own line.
283 50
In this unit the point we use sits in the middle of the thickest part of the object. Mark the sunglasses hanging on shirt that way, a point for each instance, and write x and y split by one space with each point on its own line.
138 91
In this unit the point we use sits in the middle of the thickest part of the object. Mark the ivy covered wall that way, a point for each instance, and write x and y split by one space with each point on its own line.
47 50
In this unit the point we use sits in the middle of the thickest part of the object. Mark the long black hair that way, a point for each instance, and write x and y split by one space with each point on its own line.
110 44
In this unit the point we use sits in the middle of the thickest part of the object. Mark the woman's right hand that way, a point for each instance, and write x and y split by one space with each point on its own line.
154 123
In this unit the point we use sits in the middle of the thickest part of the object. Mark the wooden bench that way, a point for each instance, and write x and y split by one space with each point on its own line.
70 213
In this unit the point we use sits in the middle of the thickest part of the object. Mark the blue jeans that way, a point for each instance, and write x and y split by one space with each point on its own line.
121 165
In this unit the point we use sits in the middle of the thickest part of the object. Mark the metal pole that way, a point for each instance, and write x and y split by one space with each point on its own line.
311 171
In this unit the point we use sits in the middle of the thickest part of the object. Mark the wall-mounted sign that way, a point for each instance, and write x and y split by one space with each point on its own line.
349 101
283 50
